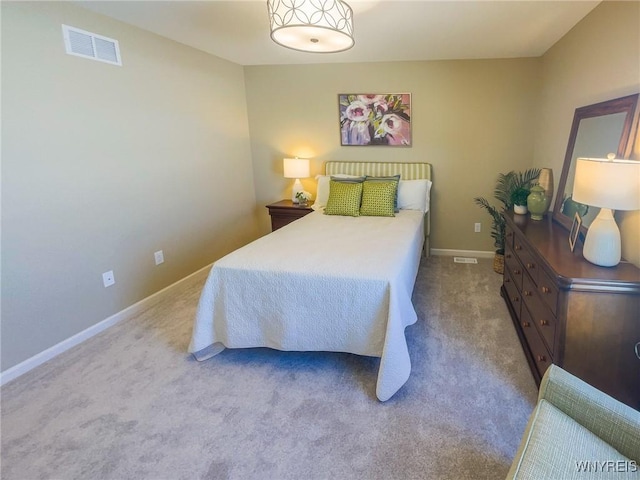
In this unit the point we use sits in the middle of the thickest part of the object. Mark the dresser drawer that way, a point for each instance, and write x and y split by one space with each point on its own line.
539 353
543 318
513 293
548 291
508 237
512 265
526 258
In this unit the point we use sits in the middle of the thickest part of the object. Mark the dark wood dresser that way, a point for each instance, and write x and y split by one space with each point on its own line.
567 311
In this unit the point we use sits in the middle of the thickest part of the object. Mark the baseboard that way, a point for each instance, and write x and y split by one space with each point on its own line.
133 310
126 314
461 253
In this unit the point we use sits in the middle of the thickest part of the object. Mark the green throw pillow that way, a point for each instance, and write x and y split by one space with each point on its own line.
390 178
378 198
344 199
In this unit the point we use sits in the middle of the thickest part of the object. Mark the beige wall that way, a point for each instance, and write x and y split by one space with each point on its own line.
598 60
470 119
103 165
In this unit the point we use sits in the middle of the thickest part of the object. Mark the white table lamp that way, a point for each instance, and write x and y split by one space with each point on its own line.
296 168
610 184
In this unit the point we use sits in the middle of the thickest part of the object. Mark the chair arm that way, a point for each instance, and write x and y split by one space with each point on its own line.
614 422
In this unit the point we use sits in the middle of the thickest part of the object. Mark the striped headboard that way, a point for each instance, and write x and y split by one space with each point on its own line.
407 171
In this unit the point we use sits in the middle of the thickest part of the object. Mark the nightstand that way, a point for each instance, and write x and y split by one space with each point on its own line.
285 211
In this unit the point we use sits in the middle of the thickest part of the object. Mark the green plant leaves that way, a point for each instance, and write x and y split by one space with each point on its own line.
506 185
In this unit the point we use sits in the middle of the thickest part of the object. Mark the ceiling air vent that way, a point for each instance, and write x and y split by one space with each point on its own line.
90 45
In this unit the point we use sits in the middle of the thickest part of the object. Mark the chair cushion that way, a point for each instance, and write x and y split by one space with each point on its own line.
556 446
614 422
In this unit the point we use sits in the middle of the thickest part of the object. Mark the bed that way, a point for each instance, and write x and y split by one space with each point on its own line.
324 283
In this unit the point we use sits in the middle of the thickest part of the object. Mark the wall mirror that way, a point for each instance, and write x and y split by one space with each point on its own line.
596 131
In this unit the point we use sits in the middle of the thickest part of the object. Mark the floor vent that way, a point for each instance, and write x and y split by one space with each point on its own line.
465 260
90 45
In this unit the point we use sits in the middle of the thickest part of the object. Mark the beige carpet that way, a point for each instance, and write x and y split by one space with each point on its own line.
131 404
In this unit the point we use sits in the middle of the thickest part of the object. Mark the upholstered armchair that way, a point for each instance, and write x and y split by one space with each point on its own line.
577 431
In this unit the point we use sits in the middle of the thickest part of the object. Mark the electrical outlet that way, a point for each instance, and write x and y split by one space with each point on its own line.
159 257
108 278
477 227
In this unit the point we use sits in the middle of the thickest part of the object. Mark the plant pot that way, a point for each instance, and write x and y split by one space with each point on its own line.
498 263
520 209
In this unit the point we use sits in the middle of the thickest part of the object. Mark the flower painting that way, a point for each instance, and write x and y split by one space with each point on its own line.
373 119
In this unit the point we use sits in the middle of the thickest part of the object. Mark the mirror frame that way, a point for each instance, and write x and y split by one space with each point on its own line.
626 104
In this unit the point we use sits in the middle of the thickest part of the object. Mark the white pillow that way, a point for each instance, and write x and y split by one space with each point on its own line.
322 192
414 195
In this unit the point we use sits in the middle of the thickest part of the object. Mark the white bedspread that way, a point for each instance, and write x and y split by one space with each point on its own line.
321 283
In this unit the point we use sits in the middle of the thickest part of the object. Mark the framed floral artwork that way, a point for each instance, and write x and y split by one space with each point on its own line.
375 119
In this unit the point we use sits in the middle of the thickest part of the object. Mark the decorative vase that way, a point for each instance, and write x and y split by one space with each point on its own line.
520 209
537 202
545 180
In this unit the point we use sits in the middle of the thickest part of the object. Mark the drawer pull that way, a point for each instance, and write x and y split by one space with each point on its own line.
517 272
507 280
546 290
541 358
527 325
531 265
544 323
515 299
637 349
518 247
527 293
508 255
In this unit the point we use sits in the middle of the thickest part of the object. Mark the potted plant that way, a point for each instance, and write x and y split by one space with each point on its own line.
519 199
498 226
506 185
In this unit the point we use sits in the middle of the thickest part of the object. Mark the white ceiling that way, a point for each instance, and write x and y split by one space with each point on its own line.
385 30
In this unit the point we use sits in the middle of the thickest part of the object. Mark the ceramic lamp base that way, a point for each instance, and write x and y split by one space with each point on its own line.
297 187
602 245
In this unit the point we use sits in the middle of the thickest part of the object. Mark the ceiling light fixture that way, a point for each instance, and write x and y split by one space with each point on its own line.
318 26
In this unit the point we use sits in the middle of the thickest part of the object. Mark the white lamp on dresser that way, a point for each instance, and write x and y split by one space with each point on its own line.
610 184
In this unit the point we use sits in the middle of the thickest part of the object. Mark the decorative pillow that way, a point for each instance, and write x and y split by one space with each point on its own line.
347 178
344 199
414 195
390 178
377 198
322 193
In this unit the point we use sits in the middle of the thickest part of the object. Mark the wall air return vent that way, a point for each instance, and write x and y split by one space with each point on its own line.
89 45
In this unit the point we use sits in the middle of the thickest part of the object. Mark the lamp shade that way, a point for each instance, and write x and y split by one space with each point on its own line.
607 183
317 26
296 168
